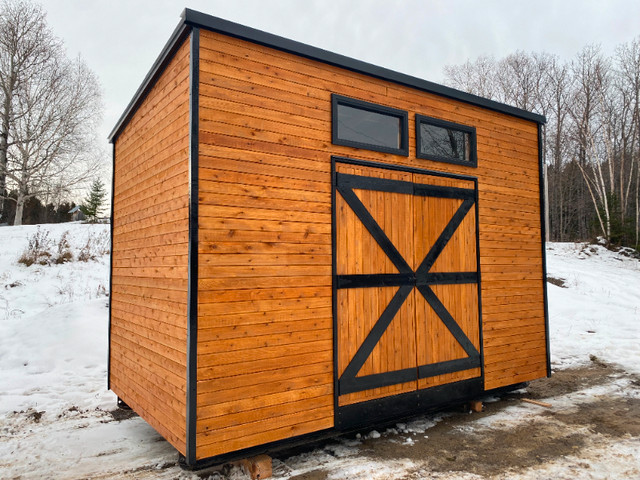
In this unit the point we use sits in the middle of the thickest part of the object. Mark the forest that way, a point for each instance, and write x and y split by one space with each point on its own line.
591 139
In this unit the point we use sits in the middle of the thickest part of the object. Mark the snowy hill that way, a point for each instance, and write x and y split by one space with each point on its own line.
598 311
55 412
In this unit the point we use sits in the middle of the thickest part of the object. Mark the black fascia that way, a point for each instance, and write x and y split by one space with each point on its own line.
180 34
543 239
473 153
113 183
192 288
402 115
225 27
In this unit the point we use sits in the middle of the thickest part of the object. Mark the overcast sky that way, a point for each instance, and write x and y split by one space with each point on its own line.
120 39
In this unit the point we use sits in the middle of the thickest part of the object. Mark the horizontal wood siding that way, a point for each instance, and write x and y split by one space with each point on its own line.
149 276
265 314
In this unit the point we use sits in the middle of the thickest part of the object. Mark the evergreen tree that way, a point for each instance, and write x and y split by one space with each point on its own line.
92 206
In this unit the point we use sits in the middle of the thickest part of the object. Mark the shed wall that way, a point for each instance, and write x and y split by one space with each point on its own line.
265 331
150 248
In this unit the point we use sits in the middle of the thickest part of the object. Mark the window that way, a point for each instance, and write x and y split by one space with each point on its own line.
366 125
445 141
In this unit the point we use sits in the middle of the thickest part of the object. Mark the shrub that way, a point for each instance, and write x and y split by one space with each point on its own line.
95 246
38 249
43 250
63 253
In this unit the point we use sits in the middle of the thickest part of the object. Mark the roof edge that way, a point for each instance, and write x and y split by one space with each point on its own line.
192 18
216 24
179 34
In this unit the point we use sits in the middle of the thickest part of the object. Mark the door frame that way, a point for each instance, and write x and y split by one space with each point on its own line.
396 406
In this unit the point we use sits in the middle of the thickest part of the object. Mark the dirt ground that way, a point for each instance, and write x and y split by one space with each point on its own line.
494 452
593 425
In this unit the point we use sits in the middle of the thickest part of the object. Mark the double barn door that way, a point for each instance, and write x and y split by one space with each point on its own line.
406 285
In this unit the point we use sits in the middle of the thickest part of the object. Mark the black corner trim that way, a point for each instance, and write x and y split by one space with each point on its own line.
113 185
192 306
543 234
215 24
402 115
473 148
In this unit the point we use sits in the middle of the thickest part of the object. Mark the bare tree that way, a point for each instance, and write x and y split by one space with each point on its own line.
478 78
628 61
589 107
558 85
592 136
25 46
51 108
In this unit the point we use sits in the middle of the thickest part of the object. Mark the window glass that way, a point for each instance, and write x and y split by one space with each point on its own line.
358 125
445 141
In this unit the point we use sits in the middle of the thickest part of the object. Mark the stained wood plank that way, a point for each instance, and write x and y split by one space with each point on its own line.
262 366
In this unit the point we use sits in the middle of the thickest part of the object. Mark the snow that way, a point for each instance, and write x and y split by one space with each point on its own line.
55 411
599 313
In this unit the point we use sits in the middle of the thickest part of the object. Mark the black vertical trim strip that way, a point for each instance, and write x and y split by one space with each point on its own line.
543 238
113 183
334 291
479 286
192 307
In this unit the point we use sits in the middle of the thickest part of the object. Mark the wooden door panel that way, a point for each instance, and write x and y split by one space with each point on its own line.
406 282
391 211
373 346
436 343
459 254
394 351
431 217
360 253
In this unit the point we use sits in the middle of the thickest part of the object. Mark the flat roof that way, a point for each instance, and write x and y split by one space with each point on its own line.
194 19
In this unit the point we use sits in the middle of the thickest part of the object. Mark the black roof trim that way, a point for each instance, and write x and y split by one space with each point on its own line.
193 18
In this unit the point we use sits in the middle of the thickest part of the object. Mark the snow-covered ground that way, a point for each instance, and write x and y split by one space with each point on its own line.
55 419
599 311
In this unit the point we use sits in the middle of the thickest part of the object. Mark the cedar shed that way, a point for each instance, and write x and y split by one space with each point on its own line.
304 243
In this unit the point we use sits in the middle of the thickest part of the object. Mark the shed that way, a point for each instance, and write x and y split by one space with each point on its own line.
77 214
304 244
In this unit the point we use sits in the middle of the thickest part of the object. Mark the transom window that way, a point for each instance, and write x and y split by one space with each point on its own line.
360 124
444 141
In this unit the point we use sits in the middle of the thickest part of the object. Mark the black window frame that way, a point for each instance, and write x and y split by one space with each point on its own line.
403 115
473 153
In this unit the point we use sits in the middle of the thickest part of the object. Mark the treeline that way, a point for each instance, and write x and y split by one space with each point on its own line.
592 136
35 212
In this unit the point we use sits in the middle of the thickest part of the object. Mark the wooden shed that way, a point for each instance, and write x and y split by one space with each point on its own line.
304 244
